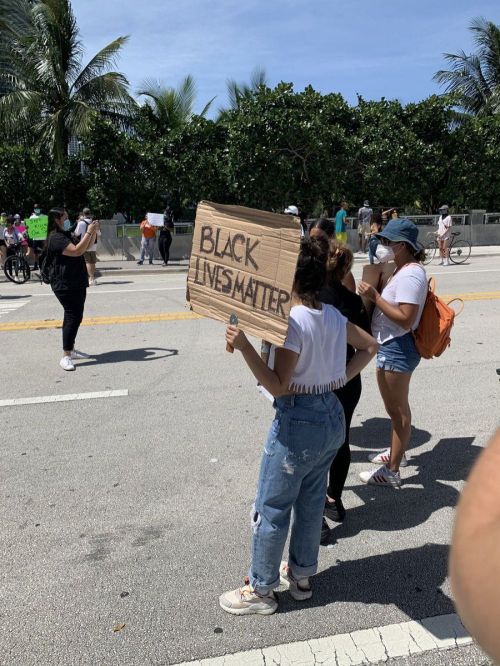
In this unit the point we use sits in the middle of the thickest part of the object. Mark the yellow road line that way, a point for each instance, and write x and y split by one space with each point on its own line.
99 321
181 316
473 296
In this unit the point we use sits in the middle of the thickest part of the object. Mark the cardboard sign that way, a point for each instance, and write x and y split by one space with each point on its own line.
243 263
155 219
37 227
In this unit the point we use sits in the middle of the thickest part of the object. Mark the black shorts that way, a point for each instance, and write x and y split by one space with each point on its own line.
2 243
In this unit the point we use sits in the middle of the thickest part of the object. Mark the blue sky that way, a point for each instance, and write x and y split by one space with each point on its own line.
376 48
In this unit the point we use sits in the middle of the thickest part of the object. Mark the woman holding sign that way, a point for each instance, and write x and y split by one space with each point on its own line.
68 277
307 431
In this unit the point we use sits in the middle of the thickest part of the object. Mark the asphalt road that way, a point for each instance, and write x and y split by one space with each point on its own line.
135 510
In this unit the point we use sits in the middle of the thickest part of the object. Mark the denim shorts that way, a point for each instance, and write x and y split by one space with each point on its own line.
398 355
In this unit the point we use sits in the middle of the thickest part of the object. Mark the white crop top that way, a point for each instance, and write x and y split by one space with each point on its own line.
320 339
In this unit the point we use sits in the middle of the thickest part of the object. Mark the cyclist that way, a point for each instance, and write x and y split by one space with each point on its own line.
444 235
11 236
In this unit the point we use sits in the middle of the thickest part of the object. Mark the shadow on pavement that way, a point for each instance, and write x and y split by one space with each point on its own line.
133 355
10 298
375 433
390 510
409 579
102 282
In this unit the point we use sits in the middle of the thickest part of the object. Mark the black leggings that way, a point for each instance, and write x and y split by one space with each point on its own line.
349 396
164 246
73 301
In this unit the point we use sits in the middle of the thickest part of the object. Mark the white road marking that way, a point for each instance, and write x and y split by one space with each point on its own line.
97 291
366 646
63 398
7 306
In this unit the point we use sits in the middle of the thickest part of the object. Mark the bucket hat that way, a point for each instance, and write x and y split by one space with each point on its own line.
401 229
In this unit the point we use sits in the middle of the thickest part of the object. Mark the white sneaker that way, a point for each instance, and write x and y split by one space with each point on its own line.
78 354
384 457
381 477
441 263
299 589
245 601
66 363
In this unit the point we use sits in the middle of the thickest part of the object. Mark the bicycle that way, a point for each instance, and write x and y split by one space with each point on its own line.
16 268
459 250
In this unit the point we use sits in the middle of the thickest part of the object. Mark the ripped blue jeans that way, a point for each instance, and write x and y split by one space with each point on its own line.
304 438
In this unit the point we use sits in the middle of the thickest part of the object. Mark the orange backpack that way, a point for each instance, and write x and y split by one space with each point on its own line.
432 335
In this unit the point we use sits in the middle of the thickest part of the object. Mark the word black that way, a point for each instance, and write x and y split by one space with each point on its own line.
217 247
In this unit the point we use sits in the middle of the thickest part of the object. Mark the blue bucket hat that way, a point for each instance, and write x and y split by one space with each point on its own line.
401 229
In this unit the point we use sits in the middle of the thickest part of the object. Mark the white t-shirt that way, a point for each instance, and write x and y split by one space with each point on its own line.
81 229
320 339
12 237
444 227
408 285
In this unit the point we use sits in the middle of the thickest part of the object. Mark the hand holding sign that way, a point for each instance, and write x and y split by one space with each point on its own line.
231 333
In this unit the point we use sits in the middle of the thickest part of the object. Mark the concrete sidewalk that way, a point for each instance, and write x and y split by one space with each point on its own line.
119 267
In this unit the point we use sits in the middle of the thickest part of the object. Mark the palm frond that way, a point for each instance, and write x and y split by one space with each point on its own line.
19 107
207 106
103 60
258 78
104 90
474 78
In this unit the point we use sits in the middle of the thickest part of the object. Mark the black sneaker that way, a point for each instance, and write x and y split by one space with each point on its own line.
335 511
139 263
325 532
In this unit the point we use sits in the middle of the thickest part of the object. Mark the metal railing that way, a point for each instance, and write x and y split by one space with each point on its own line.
492 218
421 220
134 230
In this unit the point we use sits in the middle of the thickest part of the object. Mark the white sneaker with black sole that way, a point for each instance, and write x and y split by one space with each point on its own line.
66 363
384 458
381 477
299 589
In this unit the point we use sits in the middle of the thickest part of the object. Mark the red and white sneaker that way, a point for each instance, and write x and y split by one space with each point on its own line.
384 458
381 477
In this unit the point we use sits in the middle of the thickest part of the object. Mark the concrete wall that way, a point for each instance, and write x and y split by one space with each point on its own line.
111 247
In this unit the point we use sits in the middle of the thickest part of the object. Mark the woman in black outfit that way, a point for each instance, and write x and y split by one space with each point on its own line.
165 240
351 306
68 277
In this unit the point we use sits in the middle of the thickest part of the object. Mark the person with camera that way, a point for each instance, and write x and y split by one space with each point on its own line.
68 277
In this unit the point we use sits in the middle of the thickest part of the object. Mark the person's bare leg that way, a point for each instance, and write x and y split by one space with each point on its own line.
91 271
394 389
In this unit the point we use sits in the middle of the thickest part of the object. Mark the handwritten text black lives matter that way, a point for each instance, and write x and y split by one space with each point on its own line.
238 285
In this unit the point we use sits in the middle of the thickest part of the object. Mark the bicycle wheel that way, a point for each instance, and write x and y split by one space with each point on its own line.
430 252
460 251
17 270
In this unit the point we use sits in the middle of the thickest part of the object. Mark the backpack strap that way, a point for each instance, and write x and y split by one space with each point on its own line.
457 312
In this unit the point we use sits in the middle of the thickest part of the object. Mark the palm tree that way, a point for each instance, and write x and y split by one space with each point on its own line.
173 107
474 79
47 89
237 92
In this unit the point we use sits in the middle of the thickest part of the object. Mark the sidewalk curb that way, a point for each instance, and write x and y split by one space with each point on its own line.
137 271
